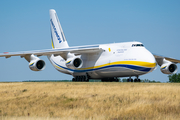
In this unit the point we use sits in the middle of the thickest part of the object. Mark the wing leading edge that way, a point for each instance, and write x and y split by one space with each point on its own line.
75 50
159 59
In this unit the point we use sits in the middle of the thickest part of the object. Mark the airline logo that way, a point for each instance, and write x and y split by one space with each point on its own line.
55 31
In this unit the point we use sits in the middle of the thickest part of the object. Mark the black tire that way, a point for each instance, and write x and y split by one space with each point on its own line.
77 79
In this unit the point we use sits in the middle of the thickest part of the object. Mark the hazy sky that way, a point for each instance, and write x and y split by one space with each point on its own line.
25 25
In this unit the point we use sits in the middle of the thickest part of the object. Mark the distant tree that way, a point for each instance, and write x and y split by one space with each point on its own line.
146 80
124 80
174 78
150 81
153 81
158 81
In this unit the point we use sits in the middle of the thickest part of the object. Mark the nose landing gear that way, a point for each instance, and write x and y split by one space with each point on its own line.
135 80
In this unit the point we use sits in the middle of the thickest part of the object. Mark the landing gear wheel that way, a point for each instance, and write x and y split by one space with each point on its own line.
87 80
116 80
73 80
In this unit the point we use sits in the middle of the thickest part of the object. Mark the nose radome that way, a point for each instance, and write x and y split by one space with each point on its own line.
143 55
149 57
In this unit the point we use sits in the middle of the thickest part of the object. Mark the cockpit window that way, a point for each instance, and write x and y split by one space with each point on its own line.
137 45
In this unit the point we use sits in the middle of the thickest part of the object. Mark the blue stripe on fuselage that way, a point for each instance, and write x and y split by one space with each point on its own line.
139 68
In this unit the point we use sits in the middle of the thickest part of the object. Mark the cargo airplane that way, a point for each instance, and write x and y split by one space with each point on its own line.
103 61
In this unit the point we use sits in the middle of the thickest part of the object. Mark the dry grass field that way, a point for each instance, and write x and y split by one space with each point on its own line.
90 101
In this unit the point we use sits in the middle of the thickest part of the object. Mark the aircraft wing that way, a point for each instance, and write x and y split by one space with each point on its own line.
76 50
160 58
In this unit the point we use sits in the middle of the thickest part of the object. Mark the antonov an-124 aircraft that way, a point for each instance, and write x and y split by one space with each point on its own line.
105 61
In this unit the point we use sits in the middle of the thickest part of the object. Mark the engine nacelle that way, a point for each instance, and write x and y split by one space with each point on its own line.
168 68
74 63
37 65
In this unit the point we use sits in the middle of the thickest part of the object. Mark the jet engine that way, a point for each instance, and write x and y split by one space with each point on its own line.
168 68
35 64
74 63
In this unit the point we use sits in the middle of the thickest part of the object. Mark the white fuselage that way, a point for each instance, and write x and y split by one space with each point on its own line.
116 60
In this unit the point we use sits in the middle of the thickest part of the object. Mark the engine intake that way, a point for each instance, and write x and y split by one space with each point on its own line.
74 63
37 65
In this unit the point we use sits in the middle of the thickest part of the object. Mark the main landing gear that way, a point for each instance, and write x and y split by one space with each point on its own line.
135 80
84 78
114 79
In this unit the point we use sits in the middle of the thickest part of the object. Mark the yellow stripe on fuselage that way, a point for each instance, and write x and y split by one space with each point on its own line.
58 67
136 63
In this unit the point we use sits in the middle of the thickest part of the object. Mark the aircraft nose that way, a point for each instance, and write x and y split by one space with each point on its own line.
149 58
145 57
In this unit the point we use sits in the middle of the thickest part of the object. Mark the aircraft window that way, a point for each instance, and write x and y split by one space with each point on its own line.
137 45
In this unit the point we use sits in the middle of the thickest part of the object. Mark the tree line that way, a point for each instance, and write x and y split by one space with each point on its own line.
174 78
